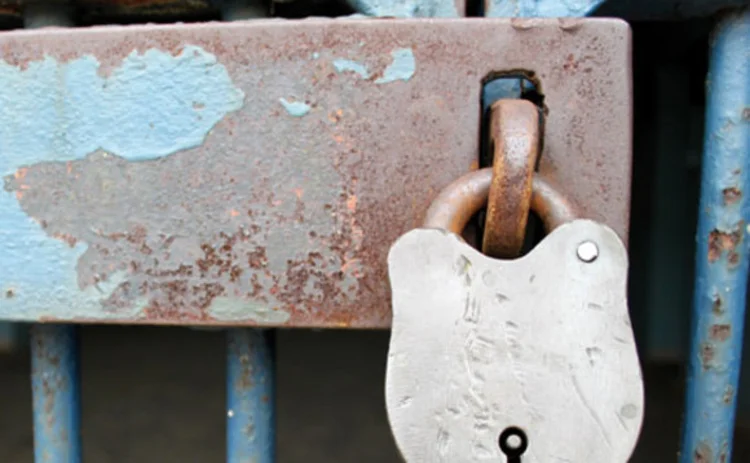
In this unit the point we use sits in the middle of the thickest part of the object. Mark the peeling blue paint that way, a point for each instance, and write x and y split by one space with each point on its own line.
402 67
346 65
295 108
154 104
151 106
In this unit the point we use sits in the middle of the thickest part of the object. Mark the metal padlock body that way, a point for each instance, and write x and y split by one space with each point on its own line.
543 343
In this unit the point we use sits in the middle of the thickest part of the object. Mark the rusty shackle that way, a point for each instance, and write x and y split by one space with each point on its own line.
510 188
458 202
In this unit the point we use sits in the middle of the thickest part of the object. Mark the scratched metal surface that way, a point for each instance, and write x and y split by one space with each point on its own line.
256 173
543 343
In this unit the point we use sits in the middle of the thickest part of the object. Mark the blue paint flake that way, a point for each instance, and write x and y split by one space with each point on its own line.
346 65
402 67
145 109
295 108
154 104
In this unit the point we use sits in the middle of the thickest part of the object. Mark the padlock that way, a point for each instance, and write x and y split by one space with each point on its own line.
531 360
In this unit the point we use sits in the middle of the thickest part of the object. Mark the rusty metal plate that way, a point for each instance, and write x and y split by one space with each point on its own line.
256 173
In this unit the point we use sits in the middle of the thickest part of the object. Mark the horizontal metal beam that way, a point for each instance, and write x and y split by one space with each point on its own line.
256 173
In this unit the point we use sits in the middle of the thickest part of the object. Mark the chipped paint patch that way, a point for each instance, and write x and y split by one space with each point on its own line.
295 108
152 105
402 67
347 65
230 310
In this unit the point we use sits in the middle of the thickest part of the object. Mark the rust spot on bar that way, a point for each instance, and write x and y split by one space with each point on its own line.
720 241
717 305
728 395
9 293
746 114
720 332
703 454
731 195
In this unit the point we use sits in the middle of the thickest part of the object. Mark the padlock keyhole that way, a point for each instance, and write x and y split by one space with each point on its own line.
513 443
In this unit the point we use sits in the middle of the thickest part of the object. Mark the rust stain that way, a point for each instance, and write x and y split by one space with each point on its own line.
703 454
514 138
731 195
68 239
728 395
10 293
733 258
717 305
720 242
720 332
335 116
389 161
351 203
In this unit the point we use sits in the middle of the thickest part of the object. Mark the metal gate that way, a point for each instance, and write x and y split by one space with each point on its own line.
97 219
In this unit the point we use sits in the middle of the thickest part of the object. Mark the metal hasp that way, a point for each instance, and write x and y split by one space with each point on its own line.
722 251
250 396
256 173
56 394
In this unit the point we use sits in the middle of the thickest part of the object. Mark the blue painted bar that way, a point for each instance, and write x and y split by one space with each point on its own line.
251 419
56 394
722 251
55 377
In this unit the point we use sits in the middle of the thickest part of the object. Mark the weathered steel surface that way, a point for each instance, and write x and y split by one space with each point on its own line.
514 139
722 254
256 173
542 343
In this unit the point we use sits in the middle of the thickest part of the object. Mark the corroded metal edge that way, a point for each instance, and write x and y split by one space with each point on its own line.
256 173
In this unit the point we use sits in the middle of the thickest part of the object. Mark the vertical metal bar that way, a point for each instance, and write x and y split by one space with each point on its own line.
55 388
251 417
54 348
251 414
722 252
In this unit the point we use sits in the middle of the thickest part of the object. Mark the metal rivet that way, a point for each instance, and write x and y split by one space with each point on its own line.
588 251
